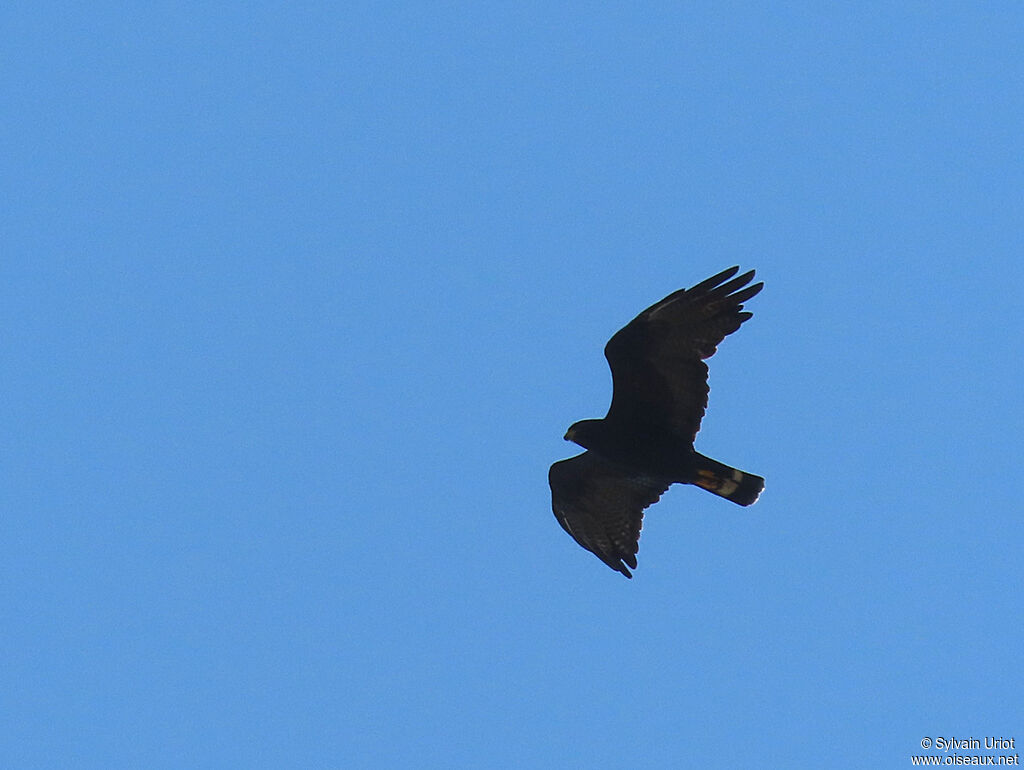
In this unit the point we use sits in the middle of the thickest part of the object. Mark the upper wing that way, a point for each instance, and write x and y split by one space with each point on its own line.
602 506
658 372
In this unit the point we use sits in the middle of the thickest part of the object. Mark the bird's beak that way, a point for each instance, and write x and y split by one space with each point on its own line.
568 435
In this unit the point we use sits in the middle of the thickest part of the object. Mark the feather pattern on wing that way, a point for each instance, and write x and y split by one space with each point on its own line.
658 372
601 505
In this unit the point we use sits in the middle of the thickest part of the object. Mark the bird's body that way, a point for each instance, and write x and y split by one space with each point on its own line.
645 442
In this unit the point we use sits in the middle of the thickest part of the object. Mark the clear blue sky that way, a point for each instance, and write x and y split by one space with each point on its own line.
298 301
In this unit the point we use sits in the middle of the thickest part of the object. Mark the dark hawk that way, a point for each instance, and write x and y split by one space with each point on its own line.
645 442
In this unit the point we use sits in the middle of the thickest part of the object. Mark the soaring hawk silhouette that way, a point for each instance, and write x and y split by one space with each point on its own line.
645 442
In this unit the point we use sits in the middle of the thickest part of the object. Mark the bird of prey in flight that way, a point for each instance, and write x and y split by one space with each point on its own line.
645 442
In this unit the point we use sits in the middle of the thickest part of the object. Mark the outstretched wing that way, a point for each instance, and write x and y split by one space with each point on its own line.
601 504
657 360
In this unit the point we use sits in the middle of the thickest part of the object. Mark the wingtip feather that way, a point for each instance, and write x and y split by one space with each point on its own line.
713 281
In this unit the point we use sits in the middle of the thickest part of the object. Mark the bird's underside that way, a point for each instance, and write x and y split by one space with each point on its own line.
645 442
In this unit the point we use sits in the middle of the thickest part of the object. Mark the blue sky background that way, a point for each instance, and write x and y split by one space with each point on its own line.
298 301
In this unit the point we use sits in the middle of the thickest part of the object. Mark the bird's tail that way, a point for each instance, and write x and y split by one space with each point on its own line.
739 487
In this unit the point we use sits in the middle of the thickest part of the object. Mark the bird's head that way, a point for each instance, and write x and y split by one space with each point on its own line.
583 432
